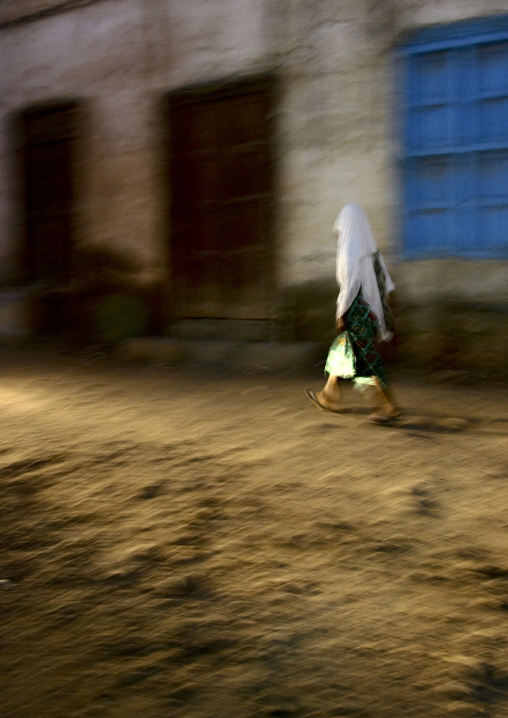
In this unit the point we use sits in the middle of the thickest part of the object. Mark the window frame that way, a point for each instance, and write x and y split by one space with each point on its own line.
458 152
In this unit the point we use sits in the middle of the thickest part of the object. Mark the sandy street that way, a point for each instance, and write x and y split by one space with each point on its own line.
179 543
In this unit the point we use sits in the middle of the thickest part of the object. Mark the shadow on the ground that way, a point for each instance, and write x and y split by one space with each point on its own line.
443 424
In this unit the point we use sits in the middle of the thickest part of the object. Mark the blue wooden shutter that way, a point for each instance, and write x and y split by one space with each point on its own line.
455 141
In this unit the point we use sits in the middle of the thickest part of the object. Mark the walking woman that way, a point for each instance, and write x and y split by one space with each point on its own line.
363 318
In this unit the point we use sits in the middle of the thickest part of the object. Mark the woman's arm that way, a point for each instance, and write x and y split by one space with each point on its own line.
340 324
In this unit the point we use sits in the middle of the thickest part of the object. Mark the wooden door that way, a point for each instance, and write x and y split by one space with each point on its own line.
48 139
221 198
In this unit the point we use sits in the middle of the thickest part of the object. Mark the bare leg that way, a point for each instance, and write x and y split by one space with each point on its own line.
329 395
389 396
373 398
381 402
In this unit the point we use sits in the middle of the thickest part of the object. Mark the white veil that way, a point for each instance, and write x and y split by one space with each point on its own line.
356 248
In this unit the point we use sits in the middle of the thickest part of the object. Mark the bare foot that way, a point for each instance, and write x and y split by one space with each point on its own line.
327 401
319 400
391 414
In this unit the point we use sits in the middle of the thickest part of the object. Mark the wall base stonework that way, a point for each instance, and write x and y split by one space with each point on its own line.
446 336
457 336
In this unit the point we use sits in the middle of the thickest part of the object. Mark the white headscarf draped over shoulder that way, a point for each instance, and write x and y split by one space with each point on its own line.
356 248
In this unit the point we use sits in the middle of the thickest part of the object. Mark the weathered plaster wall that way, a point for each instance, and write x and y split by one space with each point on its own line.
335 129
14 10
118 57
96 55
334 133
412 14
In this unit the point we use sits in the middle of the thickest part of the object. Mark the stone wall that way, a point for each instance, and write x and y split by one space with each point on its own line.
117 58
411 15
17 11
334 133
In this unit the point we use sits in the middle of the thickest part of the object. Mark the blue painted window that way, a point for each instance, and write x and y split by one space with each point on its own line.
455 140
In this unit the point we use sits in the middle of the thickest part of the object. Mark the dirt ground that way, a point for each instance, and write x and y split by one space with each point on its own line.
181 543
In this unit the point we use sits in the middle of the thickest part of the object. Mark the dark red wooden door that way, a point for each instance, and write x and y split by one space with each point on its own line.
221 198
48 139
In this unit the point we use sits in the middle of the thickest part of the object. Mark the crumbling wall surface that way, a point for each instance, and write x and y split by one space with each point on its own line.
453 315
334 132
414 14
335 135
117 58
95 55
339 143
15 11
334 146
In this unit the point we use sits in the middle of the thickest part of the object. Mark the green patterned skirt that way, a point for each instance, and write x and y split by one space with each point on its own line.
354 353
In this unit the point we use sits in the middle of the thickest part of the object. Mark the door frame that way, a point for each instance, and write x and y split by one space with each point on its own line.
75 135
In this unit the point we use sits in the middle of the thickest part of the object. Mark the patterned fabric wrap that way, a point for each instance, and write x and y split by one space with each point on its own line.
381 283
359 339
